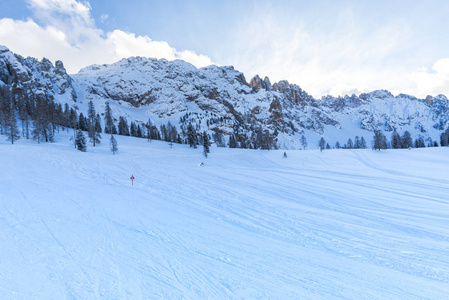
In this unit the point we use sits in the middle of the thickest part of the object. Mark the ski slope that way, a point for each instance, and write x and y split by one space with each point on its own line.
354 224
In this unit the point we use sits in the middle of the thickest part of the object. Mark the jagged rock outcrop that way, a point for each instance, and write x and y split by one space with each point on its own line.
257 83
35 77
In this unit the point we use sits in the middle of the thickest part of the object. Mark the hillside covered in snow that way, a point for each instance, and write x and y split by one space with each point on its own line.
353 224
219 100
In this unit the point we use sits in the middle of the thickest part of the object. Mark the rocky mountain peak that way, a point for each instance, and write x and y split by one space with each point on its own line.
36 78
257 83
3 49
377 94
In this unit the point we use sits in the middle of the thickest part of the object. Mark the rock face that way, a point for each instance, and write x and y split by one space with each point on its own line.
256 83
219 99
36 77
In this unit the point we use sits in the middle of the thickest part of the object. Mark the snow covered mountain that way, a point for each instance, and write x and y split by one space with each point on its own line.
219 99
353 224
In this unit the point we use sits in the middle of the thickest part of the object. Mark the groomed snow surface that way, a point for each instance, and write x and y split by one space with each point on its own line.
357 224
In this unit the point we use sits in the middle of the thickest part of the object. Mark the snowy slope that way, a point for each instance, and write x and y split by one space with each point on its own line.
352 224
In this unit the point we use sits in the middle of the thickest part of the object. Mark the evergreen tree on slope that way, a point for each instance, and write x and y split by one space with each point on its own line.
80 141
206 144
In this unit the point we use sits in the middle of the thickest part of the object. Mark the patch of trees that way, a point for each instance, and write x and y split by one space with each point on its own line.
38 117
358 143
444 138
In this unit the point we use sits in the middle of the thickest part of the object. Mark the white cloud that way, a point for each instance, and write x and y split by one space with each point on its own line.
432 82
128 44
104 17
66 6
194 59
65 30
125 44
69 16
334 54
28 38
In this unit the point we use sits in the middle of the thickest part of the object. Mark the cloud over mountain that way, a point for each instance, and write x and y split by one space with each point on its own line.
65 30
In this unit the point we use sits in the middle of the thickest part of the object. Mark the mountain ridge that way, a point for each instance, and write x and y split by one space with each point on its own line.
218 99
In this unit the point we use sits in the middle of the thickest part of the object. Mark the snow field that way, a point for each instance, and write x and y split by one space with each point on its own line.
355 224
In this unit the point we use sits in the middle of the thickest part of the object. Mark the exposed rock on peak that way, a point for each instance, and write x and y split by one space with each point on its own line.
378 94
257 83
3 49
38 78
267 82
292 91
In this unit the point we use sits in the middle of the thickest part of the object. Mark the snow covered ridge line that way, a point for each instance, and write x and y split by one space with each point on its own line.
219 101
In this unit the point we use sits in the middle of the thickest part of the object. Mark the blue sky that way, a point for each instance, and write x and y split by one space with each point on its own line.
334 47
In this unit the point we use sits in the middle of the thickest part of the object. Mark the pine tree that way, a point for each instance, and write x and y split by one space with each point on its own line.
4 101
407 141
13 130
98 128
24 115
95 137
123 128
267 141
113 143
82 124
218 138
396 140
91 112
93 127
419 143
80 141
66 116
337 145
303 142
363 143
357 143
11 121
322 144
206 144
191 136
73 119
50 132
379 140
444 138
41 121
172 132
164 133
148 126
349 144
108 119
243 141
139 131
57 119
133 130
232 142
